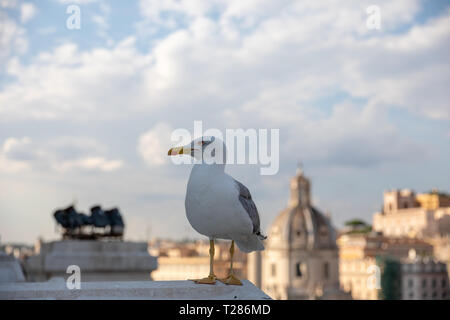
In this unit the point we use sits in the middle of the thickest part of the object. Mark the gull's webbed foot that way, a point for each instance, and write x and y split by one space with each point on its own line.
211 279
231 280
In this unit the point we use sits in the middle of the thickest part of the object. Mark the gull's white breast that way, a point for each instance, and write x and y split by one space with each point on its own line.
213 207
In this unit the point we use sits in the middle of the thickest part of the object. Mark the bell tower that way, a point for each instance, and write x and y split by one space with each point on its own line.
300 189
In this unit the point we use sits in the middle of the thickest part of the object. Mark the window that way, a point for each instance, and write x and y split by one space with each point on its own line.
424 283
433 283
326 270
300 269
274 270
323 231
410 283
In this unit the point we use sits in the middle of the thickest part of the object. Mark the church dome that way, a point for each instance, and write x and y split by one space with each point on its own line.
301 225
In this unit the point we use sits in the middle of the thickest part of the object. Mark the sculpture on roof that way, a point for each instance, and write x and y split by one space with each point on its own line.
101 223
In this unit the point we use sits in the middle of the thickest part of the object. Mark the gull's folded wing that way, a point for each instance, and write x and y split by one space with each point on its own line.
247 202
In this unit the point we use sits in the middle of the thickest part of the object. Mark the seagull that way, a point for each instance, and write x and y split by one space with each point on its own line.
217 205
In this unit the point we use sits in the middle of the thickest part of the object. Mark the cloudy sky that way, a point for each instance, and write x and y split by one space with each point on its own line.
86 114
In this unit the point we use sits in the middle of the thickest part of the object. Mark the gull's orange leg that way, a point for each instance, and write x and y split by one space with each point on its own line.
231 278
211 279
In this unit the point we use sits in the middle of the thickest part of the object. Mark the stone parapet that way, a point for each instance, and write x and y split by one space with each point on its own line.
153 290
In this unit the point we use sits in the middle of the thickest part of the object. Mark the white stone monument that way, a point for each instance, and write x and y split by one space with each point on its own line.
110 270
136 290
98 260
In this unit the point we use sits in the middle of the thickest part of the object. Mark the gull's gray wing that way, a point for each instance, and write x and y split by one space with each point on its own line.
247 202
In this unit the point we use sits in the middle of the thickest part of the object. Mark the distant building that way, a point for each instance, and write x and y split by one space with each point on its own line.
424 280
17 250
413 279
441 250
433 200
190 260
358 264
359 246
301 256
406 214
10 269
357 277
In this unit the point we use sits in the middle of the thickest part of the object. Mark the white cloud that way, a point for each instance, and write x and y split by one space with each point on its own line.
13 39
60 154
293 48
27 12
301 49
353 137
76 1
154 9
11 144
91 163
14 155
260 64
100 83
8 3
101 20
413 72
154 144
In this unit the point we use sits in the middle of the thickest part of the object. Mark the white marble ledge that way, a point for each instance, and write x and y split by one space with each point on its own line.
156 290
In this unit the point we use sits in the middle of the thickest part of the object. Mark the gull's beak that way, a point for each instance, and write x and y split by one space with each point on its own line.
179 150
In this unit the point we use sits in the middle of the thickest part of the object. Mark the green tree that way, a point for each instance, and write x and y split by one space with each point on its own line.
390 278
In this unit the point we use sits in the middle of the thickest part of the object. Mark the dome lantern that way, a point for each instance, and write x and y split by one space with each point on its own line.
300 190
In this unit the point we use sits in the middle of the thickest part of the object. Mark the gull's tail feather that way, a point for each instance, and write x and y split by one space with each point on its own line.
251 243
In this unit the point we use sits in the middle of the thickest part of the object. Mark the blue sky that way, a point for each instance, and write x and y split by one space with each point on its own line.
86 114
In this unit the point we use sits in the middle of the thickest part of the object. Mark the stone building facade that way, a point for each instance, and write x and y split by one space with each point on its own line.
359 271
424 280
301 257
406 214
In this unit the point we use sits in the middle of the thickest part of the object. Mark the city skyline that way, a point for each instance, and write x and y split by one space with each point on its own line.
403 255
87 114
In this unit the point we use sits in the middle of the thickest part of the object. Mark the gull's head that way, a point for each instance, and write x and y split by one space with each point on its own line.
208 149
